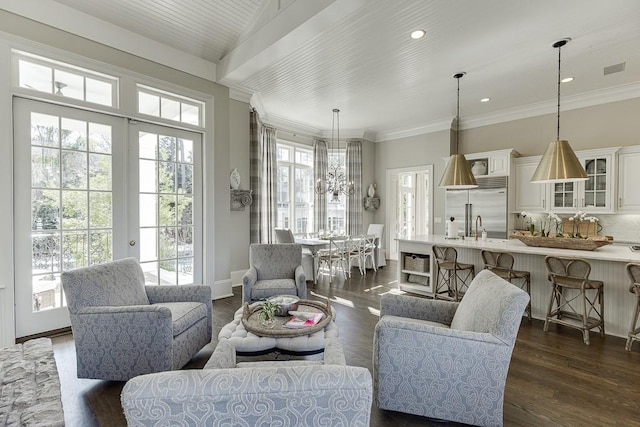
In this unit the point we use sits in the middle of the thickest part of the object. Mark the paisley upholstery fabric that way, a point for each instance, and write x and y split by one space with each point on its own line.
114 284
275 269
445 360
264 394
162 331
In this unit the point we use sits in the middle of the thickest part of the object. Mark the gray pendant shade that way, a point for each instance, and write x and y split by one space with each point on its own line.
559 164
458 174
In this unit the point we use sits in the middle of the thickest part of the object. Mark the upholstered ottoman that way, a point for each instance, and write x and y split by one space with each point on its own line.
29 385
250 344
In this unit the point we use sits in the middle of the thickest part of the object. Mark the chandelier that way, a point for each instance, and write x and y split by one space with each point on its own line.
335 183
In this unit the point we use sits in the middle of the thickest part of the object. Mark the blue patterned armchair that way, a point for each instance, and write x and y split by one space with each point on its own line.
274 269
293 393
123 328
448 360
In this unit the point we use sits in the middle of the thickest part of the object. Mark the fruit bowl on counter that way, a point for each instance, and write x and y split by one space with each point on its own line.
582 244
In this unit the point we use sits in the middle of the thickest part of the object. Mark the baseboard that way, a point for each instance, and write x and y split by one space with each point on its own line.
236 277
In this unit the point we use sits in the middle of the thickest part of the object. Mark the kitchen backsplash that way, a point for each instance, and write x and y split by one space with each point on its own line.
623 228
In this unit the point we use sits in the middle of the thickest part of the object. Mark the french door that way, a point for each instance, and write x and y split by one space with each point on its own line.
86 192
165 203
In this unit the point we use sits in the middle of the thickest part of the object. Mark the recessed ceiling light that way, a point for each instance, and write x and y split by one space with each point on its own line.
485 100
417 34
567 80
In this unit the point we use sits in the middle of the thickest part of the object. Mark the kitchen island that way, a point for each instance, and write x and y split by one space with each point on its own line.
607 264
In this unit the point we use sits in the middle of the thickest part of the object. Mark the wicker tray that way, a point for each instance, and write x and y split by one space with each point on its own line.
588 244
251 322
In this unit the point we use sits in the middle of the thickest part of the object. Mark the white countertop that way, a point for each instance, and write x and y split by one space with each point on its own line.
604 253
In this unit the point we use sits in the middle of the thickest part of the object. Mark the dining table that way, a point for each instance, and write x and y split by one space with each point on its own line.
314 244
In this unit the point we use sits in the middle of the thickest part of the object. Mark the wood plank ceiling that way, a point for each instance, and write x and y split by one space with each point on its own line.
301 58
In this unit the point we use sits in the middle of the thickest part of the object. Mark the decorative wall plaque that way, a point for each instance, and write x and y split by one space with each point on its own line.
371 203
240 199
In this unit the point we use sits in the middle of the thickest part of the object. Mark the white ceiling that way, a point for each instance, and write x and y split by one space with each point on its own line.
302 58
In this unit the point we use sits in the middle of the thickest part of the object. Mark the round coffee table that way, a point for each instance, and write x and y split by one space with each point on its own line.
250 344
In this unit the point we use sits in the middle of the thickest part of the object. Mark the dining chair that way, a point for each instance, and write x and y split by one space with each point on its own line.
379 251
334 257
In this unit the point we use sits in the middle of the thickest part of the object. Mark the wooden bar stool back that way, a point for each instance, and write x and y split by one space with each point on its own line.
633 270
573 273
501 263
452 277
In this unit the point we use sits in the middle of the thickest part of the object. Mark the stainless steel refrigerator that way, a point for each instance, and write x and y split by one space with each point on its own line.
489 201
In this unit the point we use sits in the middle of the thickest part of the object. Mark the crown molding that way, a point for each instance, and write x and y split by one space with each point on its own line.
413 131
290 126
240 95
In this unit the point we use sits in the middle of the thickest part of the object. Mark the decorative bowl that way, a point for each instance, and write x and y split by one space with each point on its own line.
285 303
588 244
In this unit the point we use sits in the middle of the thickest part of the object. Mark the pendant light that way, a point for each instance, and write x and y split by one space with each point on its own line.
559 162
458 173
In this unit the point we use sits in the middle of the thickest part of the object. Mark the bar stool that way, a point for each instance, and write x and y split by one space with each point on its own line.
633 270
573 273
501 263
451 275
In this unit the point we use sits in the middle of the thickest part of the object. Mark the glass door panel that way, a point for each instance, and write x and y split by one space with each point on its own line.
595 187
168 204
65 204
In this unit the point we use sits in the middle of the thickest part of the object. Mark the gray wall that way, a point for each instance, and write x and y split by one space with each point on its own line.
418 150
239 158
606 125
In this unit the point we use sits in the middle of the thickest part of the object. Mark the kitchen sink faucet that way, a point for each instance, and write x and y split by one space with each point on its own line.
478 218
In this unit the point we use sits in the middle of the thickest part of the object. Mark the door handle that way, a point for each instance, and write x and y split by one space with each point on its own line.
132 242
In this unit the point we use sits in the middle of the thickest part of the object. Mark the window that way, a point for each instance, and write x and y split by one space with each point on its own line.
60 79
170 106
336 210
295 188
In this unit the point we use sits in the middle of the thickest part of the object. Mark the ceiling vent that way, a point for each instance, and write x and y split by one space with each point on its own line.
614 68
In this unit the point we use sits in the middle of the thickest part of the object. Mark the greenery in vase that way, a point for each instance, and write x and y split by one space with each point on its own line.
268 312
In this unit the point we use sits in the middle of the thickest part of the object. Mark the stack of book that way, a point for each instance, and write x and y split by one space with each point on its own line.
302 319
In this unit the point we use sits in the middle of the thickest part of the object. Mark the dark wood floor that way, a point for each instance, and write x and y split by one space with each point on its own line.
554 379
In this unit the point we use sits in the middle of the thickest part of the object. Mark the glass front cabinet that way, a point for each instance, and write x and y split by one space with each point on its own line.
593 195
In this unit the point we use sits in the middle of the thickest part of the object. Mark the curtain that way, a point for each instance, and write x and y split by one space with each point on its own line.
255 179
263 176
354 205
320 167
269 218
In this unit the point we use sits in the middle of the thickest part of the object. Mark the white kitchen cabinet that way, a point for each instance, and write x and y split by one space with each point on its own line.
527 196
595 195
491 163
629 180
